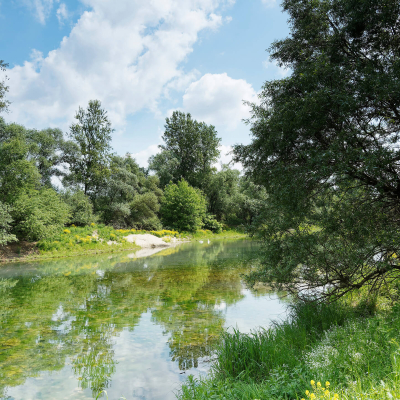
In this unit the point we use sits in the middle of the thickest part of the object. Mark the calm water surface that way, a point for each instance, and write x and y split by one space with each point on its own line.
135 327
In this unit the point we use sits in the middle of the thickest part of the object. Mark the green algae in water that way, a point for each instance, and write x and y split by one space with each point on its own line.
73 328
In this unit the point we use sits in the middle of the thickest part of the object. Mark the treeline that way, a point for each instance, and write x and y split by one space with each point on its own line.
49 180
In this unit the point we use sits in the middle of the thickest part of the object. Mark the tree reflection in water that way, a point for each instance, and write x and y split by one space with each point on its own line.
74 309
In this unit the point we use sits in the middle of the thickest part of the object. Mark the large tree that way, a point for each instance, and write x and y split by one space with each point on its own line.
325 146
89 154
190 149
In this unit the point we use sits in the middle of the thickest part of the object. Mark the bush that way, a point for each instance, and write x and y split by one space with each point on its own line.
183 207
39 215
81 208
143 209
212 224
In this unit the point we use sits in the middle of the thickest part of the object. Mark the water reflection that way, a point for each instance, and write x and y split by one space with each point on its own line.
74 327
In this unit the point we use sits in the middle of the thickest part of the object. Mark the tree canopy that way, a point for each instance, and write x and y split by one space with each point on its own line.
325 146
190 148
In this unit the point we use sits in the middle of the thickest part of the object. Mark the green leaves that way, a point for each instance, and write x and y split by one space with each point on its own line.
189 151
183 207
89 161
325 146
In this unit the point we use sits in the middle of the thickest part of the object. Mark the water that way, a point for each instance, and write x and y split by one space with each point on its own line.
135 327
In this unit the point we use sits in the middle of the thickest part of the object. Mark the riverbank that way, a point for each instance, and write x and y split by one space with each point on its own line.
352 345
98 239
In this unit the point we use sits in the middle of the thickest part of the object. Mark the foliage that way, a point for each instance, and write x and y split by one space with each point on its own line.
39 214
209 222
183 207
81 208
3 88
5 222
325 146
166 165
89 158
45 148
86 239
143 211
192 148
18 174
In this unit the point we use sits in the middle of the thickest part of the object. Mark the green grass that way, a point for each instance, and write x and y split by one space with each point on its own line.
207 234
358 353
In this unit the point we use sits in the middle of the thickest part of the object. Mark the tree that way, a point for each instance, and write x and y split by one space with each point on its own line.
39 215
183 207
81 208
325 146
18 174
143 211
90 157
189 151
3 89
46 148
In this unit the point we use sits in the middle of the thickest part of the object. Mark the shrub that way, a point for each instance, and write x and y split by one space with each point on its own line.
143 209
183 207
81 208
212 224
39 214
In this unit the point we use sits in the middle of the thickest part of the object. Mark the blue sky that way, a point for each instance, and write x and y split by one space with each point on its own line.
142 59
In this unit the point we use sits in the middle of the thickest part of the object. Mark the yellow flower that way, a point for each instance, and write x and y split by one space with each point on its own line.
307 392
327 384
312 396
319 384
326 393
335 396
312 383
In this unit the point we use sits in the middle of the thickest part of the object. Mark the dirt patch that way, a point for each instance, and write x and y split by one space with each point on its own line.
17 250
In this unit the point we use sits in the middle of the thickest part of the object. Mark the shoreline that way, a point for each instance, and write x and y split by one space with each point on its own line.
147 243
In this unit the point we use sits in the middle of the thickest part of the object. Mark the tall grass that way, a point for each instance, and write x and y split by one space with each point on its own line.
255 355
356 351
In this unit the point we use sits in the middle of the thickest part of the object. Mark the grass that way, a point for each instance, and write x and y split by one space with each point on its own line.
207 234
94 239
357 351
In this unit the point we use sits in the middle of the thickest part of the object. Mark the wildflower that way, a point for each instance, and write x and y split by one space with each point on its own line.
319 384
67 231
326 393
307 392
312 396
327 384
312 383
92 224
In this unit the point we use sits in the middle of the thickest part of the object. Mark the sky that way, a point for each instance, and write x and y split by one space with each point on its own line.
142 59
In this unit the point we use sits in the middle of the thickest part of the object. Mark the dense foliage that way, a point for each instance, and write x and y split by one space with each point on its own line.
49 181
325 146
183 207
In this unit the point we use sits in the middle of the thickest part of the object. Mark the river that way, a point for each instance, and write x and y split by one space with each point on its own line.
134 327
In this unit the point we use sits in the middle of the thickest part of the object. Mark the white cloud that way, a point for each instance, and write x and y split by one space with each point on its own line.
218 99
40 8
62 13
269 3
142 157
281 72
123 53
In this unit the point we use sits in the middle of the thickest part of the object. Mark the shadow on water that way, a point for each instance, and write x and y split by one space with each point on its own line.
74 327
